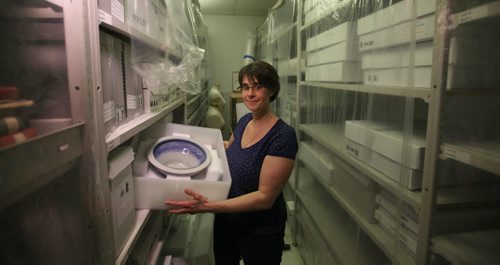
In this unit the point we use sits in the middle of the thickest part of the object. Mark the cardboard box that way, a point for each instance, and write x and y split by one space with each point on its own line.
347 72
384 139
152 189
122 194
408 177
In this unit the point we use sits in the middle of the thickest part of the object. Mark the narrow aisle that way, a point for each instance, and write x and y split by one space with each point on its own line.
292 256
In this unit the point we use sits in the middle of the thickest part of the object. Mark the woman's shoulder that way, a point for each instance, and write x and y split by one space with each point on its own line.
283 127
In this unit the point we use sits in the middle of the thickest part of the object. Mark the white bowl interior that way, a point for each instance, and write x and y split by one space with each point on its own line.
179 156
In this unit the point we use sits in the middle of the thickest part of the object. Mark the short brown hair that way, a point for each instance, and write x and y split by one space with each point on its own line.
265 73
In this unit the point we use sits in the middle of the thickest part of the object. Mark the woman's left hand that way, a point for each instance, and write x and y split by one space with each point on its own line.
196 205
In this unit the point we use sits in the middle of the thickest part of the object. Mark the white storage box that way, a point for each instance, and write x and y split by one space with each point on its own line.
407 216
346 72
152 15
387 141
137 15
135 102
162 31
399 34
398 77
394 14
388 224
122 194
343 51
410 178
152 189
345 32
108 82
398 56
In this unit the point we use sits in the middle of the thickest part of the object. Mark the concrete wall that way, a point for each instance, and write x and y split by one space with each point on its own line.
227 38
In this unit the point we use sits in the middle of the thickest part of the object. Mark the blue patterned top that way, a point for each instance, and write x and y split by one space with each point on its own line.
245 165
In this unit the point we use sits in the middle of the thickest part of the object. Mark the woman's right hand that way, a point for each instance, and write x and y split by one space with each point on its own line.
196 205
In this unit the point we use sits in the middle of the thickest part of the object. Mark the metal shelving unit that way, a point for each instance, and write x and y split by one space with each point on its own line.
461 165
55 186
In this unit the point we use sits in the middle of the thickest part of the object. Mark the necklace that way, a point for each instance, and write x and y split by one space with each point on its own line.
263 127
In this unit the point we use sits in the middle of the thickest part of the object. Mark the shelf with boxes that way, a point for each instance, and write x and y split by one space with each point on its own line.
467 141
137 45
368 72
145 21
323 134
388 47
313 201
404 92
352 191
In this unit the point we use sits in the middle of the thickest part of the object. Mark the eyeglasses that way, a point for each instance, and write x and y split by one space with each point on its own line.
246 87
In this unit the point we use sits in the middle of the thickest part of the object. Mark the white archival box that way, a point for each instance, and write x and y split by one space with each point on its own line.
343 32
398 56
399 34
384 139
151 190
394 14
343 51
349 72
408 177
122 194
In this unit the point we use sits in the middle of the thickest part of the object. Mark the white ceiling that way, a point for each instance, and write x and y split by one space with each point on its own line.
236 7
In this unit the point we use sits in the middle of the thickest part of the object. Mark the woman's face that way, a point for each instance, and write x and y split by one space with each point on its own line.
255 96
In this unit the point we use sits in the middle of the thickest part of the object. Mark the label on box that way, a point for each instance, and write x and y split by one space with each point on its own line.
108 110
132 101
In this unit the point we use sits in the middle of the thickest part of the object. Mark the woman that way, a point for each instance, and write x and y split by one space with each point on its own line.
250 224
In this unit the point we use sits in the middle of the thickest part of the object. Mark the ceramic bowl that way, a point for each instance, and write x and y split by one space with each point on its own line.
179 156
